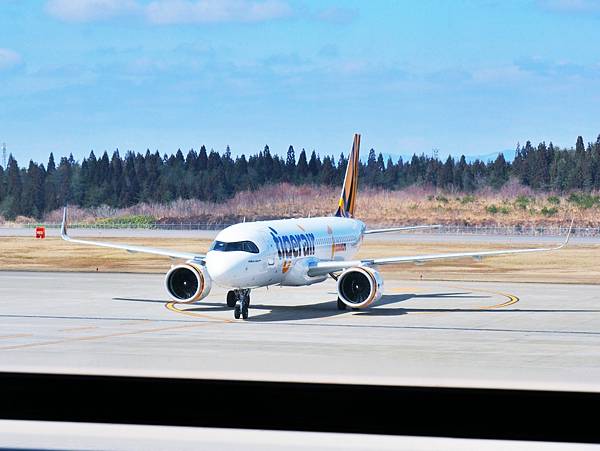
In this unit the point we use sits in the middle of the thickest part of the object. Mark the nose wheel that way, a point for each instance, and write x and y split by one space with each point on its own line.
242 302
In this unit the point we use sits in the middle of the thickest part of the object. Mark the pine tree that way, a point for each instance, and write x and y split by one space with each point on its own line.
341 169
103 169
290 164
267 163
116 180
241 172
499 172
202 159
278 171
596 164
459 171
227 155
191 160
131 186
446 174
314 164
327 175
32 199
468 180
214 160
302 170
12 203
63 178
51 165
579 145
379 171
2 185
390 178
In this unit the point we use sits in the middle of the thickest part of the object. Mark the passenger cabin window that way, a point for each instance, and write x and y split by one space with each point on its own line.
241 246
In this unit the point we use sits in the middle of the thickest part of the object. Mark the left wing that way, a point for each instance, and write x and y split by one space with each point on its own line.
127 247
401 229
326 267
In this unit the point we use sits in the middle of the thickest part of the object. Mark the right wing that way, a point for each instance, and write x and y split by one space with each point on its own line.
127 247
329 266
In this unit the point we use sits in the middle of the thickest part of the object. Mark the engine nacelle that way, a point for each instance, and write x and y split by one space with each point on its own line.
359 287
188 282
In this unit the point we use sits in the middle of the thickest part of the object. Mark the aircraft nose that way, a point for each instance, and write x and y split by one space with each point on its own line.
224 266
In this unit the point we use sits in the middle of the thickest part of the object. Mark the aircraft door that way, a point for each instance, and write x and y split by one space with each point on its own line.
270 266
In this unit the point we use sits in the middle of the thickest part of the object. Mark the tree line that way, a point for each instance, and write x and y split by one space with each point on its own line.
124 181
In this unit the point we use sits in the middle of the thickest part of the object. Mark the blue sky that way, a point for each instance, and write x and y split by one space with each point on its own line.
470 77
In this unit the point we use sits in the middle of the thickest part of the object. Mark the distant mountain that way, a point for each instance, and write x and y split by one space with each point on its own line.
509 155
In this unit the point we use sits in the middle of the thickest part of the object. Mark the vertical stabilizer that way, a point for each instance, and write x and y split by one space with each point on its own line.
348 197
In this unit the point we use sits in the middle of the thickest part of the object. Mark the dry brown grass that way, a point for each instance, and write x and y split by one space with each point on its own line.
574 264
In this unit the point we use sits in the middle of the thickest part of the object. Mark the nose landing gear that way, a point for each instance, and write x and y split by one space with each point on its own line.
241 301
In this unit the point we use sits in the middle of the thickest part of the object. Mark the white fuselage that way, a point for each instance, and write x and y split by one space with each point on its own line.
262 253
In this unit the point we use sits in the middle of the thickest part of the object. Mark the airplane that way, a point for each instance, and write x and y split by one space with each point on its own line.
291 252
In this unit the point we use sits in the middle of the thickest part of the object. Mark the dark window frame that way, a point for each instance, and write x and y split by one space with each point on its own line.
234 246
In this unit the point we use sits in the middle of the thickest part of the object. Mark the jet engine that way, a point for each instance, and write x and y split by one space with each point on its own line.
359 287
188 282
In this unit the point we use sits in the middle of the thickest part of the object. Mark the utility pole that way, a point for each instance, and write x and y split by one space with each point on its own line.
435 153
4 155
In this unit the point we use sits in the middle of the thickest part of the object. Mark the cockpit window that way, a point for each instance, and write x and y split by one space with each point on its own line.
243 246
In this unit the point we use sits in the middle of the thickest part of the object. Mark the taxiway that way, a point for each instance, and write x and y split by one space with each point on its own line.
421 332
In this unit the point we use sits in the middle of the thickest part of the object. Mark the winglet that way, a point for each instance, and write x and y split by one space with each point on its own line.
568 234
63 227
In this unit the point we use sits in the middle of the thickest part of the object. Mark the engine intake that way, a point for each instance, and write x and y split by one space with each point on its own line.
359 287
188 282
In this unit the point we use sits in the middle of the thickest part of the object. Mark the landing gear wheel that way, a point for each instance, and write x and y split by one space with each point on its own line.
340 304
242 298
231 299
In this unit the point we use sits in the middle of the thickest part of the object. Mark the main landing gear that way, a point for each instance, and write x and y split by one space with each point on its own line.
240 301
342 306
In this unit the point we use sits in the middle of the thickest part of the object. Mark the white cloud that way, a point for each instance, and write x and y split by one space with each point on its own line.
503 74
206 11
8 58
170 11
571 6
337 15
90 10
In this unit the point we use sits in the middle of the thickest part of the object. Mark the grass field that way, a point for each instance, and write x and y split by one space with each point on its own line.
574 264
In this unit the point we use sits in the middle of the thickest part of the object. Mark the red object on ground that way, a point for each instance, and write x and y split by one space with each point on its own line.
40 232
